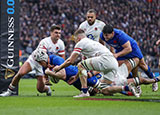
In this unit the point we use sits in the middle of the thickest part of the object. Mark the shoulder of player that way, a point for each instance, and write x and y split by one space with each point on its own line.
60 41
84 40
99 21
46 39
84 23
118 32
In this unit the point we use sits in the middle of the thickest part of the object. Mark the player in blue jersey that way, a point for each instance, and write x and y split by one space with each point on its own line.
69 74
125 48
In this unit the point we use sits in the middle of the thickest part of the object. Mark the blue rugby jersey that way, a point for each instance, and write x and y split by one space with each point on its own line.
121 38
70 70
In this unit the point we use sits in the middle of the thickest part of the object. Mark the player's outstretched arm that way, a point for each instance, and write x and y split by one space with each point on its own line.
68 62
60 75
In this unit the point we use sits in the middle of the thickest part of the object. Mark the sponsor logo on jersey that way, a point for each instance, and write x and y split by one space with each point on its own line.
96 28
57 48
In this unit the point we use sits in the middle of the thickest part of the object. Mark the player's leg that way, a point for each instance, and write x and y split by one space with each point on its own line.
109 67
92 82
41 87
83 79
83 66
123 73
117 89
59 75
22 71
130 65
142 80
100 63
133 66
146 68
149 73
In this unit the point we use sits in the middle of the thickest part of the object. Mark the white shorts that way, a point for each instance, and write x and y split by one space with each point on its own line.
35 66
107 64
122 74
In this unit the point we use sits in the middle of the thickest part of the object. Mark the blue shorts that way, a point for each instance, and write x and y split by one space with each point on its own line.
90 81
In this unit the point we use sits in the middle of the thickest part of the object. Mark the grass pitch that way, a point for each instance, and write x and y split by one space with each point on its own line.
30 102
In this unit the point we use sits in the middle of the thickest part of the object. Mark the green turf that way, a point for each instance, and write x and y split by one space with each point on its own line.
62 103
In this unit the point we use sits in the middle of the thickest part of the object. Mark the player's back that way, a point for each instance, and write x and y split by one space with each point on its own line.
56 60
90 48
70 70
119 39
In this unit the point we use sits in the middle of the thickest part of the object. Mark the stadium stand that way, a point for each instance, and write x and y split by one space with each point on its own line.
139 18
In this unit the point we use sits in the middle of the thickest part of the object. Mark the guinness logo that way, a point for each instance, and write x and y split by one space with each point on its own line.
9 73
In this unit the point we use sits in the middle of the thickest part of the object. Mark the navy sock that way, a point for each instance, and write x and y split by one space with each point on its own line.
123 92
126 88
149 73
84 90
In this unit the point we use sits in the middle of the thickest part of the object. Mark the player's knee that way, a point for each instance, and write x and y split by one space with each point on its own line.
136 60
142 64
40 89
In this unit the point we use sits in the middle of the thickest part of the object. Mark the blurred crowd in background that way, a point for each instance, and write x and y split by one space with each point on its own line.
138 18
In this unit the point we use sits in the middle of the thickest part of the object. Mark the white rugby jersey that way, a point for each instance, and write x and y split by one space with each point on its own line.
93 31
52 48
90 48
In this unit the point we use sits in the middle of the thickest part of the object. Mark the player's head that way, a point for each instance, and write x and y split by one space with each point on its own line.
108 32
41 56
55 32
78 35
91 16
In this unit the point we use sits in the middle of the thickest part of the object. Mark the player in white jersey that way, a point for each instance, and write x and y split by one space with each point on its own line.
92 26
121 78
53 45
35 62
99 58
